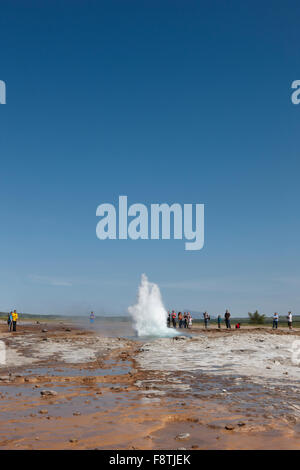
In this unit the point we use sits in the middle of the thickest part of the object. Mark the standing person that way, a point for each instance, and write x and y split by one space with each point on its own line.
9 320
275 321
219 321
14 320
92 317
185 320
174 319
290 319
190 320
169 320
180 319
227 319
206 319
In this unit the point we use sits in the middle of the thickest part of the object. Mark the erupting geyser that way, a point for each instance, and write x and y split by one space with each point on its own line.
149 314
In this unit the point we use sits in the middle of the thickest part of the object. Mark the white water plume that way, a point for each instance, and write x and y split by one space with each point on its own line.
149 314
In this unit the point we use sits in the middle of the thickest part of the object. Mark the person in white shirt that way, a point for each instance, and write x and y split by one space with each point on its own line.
290 319
275 320
206 319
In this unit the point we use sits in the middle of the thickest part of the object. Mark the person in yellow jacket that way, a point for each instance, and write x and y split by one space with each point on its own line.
14 320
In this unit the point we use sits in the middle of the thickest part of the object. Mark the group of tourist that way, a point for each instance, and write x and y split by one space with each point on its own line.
12 319
276 320
238 325
183 320
219 320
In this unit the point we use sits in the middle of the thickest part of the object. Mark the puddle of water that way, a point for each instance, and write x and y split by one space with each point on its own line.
68 401
58 371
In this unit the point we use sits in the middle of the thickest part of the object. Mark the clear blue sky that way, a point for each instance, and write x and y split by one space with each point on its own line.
164 101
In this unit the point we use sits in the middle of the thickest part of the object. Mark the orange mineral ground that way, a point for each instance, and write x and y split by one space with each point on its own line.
68 387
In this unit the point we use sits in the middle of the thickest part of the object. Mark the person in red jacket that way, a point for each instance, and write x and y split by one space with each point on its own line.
174 319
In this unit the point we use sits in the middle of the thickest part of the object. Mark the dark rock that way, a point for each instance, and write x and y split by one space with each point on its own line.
48 393
229 427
